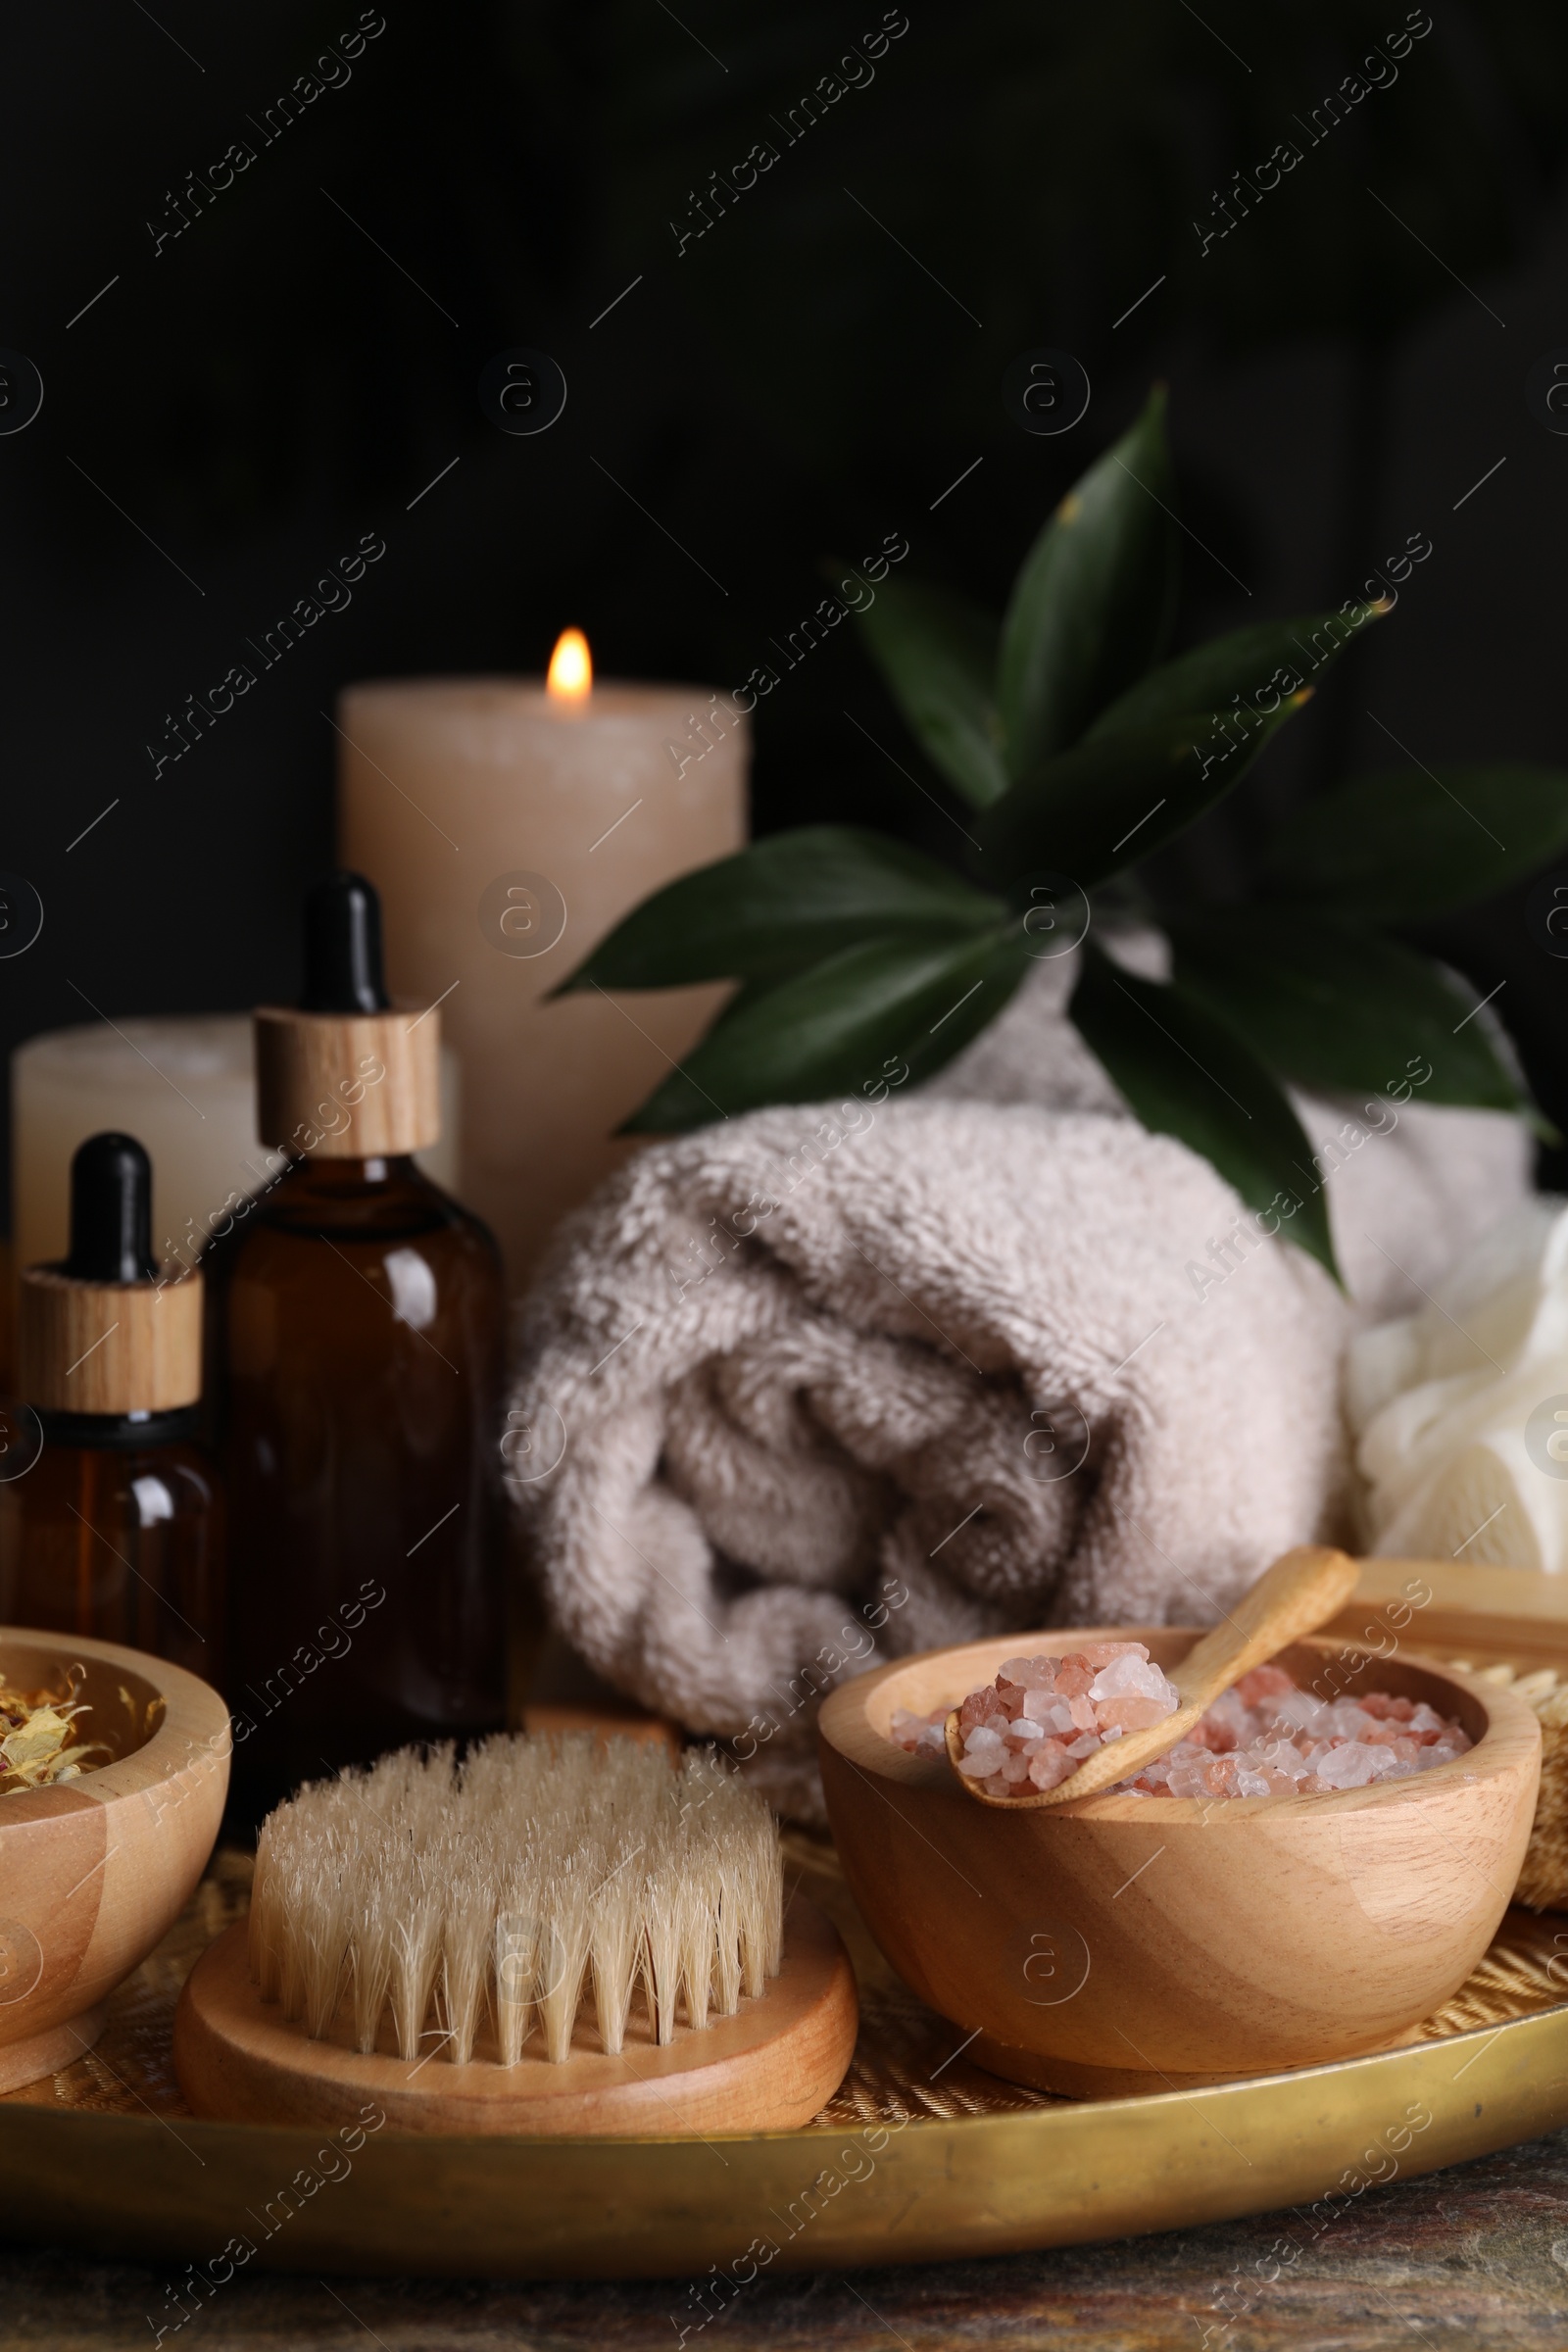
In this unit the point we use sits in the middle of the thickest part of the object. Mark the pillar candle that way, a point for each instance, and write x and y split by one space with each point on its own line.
186 1090
508 828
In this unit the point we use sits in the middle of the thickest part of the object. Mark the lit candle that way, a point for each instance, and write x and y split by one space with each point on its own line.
186 1091
508 823
569 679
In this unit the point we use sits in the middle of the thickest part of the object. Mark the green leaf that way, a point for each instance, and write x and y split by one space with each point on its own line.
938 655
839 1028
1334 1008
1276 657
780 905
1415 841
1092 606
1106 804
1187 1073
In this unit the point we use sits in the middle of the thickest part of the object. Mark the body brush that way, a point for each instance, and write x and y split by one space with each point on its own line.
550 1936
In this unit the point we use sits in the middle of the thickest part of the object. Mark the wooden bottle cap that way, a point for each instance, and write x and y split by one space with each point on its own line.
107 1347
348 1085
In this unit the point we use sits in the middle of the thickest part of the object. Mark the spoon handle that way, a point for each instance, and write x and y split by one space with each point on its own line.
1300 1593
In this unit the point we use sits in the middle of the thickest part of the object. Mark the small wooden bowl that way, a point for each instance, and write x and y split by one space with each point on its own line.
1115 1943
95 1872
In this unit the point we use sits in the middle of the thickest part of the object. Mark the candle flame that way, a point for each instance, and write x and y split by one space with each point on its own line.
571 671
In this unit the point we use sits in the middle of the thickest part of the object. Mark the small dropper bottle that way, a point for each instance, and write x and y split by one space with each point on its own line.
356 1336
115 1530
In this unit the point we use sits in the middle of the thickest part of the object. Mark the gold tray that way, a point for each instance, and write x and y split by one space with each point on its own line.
919 2156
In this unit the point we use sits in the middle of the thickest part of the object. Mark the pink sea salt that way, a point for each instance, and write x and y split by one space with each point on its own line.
1265 1737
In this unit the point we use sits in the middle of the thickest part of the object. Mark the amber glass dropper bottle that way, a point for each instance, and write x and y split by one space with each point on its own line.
357 1327
116 1529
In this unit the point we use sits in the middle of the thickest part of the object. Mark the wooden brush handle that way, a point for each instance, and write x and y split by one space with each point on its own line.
771 2067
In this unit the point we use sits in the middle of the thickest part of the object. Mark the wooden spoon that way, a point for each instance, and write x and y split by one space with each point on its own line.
1301 1591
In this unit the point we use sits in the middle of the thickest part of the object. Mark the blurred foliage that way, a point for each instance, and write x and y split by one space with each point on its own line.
1079 752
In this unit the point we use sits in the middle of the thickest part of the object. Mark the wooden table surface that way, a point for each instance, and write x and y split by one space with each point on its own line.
1473 2259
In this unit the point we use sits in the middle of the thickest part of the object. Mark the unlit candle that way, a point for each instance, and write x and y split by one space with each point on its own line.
186 1090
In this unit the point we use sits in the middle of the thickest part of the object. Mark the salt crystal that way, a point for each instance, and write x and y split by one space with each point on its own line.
1263 1681
1030 1674
1216 1738
1050 1765
1128 1672
1130 1711
1348 1766
1226 1725
1298 1708
1393 1710
919 1735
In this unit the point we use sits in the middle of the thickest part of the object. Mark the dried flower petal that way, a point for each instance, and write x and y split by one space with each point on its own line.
40 1745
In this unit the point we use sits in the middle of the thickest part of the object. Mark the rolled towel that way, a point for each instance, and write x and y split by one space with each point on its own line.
816 1386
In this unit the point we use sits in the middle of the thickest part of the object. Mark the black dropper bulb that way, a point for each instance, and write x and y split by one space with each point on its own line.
343 947
110 1212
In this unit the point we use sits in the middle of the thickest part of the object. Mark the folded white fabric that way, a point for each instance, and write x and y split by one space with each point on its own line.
1461 1410
816 1386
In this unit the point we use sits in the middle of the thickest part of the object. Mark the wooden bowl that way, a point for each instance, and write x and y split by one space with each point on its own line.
1116 1942
95 1872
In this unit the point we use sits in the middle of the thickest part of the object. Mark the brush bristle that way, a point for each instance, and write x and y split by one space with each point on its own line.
515 1884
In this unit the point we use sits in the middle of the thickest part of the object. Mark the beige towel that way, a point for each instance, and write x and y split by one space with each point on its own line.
818 1387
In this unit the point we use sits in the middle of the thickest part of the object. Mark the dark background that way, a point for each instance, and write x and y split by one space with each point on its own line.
813 372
